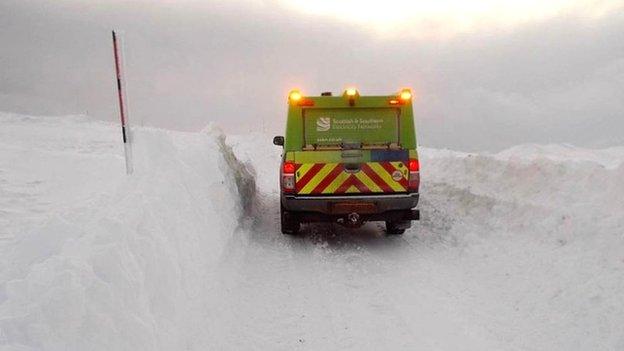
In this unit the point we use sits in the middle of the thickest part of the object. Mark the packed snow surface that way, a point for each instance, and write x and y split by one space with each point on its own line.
520 250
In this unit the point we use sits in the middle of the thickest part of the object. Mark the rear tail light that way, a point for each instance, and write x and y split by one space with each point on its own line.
414 165
414 175
288 177
289 167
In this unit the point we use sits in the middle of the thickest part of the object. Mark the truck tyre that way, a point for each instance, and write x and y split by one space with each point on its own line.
397 228
289 224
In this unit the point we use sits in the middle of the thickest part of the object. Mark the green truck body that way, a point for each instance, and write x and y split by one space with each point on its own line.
349 159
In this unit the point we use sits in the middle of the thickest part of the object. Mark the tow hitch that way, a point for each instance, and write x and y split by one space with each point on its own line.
353 220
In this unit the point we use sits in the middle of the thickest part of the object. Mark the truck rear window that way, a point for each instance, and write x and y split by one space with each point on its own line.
368 126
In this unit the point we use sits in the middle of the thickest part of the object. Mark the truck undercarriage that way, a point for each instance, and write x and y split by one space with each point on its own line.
397 210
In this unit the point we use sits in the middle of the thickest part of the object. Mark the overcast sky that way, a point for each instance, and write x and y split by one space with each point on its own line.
487 74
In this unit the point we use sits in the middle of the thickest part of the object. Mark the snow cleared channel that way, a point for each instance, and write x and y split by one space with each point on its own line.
520 250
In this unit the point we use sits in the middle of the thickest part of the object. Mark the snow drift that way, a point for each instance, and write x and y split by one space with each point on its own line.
112 262
520 250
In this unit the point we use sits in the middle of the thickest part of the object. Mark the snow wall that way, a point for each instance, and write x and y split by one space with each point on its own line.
125 266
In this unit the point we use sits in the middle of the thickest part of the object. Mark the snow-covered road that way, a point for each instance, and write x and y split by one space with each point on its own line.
521 250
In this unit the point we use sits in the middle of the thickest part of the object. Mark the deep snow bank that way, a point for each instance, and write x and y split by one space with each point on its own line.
544 227
560 188
101 261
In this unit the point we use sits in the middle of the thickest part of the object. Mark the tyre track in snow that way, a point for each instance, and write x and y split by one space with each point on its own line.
343 264
262 283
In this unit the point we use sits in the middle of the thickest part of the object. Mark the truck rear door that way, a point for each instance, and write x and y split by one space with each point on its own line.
351 151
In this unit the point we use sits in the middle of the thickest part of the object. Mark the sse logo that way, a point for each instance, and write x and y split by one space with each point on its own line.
323 124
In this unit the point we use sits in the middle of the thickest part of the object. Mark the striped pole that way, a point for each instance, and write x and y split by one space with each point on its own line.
123 108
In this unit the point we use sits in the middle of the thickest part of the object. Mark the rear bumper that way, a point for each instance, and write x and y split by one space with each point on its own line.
327 204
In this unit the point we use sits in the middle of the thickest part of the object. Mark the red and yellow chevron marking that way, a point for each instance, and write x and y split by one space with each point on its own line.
332 178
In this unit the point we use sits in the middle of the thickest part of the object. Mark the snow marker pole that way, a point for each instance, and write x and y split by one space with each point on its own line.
123 108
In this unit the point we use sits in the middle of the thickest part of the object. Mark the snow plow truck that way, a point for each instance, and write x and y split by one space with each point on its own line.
349 159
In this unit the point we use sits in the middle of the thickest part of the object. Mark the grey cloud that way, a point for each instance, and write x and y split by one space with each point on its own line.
232 63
